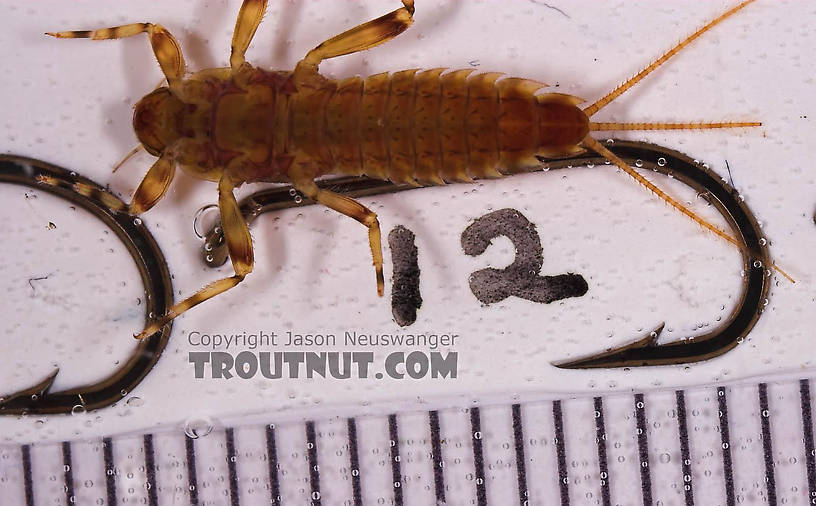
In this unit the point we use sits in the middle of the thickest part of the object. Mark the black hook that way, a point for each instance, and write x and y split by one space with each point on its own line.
644 351
757 266
155 277
158 289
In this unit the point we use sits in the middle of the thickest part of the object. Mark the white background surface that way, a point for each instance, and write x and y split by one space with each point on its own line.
70 103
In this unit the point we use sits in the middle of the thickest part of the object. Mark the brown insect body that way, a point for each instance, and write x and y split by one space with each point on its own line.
408 127
242 124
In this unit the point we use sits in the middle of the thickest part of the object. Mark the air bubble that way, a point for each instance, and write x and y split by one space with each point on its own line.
661 162
79 408
638 163
135 402
196 428
199 218
137 221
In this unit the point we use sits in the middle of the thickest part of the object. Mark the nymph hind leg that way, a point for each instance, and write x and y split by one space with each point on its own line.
360 38
353 209
165 46
239 244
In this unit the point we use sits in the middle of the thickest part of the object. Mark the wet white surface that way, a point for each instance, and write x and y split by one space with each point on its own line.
69 102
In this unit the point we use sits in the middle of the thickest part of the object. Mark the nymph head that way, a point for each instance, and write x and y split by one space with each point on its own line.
156 120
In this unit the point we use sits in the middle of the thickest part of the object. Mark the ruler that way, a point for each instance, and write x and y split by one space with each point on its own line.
739 444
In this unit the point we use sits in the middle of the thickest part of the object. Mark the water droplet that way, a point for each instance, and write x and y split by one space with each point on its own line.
135 402
763 241
638 163
661 162
137 221
298 199
198 427
665 458
77 409
199 219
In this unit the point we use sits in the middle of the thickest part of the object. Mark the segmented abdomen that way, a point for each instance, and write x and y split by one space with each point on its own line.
429 127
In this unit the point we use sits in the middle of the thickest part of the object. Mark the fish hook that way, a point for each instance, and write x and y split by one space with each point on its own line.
150 261
644 351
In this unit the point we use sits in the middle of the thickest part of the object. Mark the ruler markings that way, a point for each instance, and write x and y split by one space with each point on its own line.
396 471
518 440
685 451
478 456
68 476
436 456
27 482
272 459
354 463
728 468
150 469
251 464
664 448
87 465
603 468
110 470
767 445
192 480
643 451
416 462
314 466
499 454
807 429
512 435
561 452
374 447
229 436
